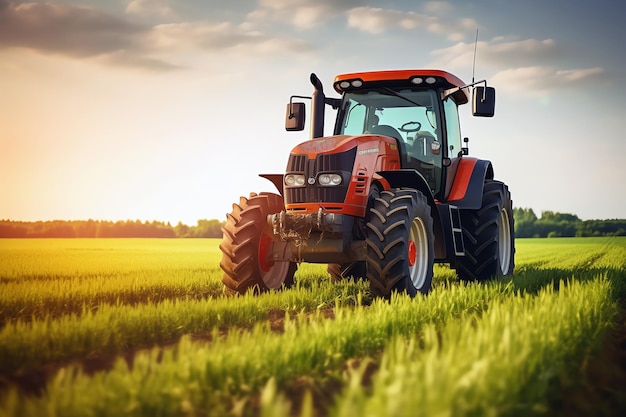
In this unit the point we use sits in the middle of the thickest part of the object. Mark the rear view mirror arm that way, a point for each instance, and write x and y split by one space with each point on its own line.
449 92
291 104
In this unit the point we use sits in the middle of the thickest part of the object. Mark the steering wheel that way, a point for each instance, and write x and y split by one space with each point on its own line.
406 129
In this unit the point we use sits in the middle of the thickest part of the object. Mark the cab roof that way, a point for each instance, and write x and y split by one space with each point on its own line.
401 78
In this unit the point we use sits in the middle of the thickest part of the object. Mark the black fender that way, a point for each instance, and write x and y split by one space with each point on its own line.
411 178
469 181
276 179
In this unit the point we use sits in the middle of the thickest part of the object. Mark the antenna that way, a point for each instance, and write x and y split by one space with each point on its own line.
474 63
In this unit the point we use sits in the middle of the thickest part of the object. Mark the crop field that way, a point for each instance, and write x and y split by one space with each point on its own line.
139 327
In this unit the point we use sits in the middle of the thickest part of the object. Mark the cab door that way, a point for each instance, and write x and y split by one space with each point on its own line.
453 151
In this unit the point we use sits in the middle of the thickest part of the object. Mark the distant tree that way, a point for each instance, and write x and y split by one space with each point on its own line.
551 224
181 230
207 229
524 222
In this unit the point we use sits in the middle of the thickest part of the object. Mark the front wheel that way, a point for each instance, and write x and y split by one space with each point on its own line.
400 243
488 236
246 247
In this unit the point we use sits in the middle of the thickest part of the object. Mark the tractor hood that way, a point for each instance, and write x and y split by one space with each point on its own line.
368 143
328 144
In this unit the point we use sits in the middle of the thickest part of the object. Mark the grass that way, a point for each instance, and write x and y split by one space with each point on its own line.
508 347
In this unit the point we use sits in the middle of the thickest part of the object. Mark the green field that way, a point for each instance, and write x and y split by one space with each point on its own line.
139 327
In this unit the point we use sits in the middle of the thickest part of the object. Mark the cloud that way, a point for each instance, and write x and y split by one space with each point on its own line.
75 31
437 7
542 80
579 74
529 66
218 37
302 14
376 20
86 33
134 60
499 53
150 8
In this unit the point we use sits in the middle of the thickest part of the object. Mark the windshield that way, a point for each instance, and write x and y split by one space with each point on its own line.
407 112
407 115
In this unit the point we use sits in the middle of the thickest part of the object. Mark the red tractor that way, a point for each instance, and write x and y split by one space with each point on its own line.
389 194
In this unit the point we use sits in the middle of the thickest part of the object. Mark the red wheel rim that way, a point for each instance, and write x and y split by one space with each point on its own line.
412 253
265 245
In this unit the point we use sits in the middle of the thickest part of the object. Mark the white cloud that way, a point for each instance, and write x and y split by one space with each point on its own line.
437 7
302 14
530 66
376 20
150 8
541 80
134 60
579 74
213 37
499 53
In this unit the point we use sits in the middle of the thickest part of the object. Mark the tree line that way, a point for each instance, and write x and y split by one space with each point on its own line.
98 228
555 224
527 224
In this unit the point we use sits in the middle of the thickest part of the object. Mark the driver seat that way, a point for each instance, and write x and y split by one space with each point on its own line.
386 130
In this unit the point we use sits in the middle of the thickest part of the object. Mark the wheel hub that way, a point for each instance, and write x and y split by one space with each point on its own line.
412 253
265 245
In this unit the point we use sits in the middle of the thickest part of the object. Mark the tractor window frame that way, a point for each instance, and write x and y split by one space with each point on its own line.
453 128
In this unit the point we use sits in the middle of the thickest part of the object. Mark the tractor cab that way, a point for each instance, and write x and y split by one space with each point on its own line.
409 116
418 108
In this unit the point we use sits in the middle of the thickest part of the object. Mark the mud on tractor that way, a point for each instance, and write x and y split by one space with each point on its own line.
389 194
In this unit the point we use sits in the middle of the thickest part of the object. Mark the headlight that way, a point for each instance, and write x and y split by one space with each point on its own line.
329 179
294 180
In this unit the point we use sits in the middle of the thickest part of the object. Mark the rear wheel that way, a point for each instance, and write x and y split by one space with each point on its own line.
246 247
488 236
400 243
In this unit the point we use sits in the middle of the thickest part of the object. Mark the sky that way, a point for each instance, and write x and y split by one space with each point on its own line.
168 110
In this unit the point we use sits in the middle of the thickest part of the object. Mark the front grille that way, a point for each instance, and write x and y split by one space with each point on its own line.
342 163
296 163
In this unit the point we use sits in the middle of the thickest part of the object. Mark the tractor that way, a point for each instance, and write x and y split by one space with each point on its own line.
390 193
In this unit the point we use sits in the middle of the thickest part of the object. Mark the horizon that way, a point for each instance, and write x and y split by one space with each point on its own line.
539 216
169 110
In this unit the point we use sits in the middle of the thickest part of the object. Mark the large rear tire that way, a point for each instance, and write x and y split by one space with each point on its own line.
400 243
245 247
488 236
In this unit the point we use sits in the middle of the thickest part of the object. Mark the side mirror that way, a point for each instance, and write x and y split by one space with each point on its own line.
484 101
295 117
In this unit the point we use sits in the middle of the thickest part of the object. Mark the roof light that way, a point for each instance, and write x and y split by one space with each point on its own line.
431 80
417 80
346 84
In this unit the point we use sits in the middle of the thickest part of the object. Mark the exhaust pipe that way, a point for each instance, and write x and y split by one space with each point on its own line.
317 108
